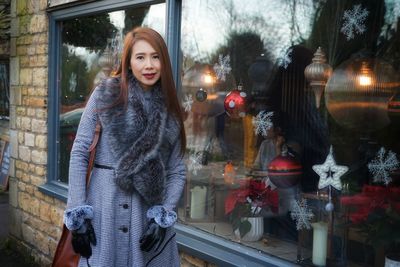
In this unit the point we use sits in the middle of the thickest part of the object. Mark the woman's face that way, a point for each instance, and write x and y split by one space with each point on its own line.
145 64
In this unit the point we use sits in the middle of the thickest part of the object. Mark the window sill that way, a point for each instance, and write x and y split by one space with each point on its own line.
55 189
220 251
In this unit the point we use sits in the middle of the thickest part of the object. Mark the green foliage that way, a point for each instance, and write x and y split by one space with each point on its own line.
90 32
238 218
382 229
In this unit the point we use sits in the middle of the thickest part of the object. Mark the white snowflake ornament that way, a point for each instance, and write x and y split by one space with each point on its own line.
330 173
382 165
301 214
353 21
187 103
286 59
222 68
262 122
194 163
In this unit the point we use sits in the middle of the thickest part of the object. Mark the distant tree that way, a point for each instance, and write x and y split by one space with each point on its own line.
243 48
90 32
134 17
329 20
75 85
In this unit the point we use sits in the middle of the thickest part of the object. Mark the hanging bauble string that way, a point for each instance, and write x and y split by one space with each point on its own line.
201 95
235 103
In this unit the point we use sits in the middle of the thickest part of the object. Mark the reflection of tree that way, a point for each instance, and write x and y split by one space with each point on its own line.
389 41
74 70
326 29
91 32
243 48
134 17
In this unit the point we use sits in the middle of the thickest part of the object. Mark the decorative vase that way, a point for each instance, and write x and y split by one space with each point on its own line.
256 230
392 260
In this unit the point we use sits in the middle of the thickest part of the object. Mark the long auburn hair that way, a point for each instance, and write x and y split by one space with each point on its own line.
167 82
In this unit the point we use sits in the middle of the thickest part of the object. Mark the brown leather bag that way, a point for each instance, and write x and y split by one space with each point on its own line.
65 255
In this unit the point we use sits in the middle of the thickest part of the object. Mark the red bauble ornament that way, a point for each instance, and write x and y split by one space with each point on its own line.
235 103
284 170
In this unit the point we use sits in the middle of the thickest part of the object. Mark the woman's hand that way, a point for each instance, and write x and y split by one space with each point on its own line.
82 239
153 236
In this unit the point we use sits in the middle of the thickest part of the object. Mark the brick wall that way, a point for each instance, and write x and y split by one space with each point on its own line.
35 218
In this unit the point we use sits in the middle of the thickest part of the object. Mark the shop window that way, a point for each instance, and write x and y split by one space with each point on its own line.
293 103
90 51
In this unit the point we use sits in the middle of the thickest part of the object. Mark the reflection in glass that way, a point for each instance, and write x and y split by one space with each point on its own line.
269 44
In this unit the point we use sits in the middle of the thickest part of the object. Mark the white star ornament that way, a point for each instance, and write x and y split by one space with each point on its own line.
329 172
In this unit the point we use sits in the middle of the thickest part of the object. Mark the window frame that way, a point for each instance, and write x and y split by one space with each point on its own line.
190 240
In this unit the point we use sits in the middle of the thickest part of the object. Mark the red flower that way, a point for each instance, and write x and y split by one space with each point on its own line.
259 194
371 199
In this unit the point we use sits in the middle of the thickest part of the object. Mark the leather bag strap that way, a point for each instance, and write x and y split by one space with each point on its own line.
92 150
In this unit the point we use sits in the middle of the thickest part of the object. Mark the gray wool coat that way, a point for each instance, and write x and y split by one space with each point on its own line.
120 217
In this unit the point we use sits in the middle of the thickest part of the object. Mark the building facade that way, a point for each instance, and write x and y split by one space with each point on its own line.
291 115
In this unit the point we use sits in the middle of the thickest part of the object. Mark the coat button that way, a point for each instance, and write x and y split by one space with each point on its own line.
124 229
125 206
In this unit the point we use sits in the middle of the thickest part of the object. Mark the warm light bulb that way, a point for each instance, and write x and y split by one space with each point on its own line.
364 80
208 79
365 76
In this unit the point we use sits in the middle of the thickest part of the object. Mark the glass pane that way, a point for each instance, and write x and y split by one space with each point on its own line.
271 120
4 91
90 51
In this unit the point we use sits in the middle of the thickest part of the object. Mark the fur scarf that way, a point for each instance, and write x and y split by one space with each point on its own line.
137 136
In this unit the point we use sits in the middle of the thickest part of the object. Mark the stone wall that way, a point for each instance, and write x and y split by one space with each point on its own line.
35 217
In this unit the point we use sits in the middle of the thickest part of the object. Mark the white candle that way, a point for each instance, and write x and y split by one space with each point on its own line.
198 202
320 243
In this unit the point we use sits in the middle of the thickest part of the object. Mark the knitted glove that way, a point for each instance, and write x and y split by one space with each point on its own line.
82 238
153 236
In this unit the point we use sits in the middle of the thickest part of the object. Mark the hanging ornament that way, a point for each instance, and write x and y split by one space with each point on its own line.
187 103
318 73
301 213
201 95
223 67
235 103
329 176
263 122
382 165
330 173
284 170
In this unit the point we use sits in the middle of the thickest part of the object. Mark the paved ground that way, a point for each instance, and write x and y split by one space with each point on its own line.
9 257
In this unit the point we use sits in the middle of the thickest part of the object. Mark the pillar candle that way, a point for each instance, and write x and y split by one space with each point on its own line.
198 202
320 243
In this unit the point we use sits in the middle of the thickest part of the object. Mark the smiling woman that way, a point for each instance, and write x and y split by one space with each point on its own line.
145 64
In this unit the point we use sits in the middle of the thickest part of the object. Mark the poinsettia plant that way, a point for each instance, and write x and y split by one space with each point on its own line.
376 214
249 200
